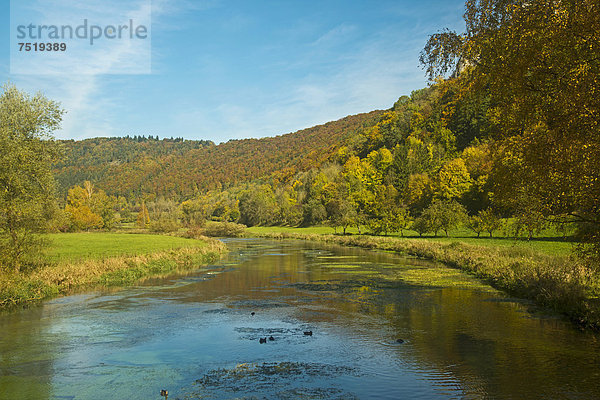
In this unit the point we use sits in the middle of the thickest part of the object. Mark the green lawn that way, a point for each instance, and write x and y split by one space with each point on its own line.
551 242
98 245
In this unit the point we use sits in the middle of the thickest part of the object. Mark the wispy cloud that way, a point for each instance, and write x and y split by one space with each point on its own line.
373 76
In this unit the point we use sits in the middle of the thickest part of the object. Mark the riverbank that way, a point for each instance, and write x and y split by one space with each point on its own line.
104 260
560 283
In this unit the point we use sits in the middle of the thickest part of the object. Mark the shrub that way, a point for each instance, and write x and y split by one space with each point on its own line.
164 225
224 229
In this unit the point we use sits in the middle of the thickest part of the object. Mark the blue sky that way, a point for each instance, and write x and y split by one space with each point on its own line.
235 69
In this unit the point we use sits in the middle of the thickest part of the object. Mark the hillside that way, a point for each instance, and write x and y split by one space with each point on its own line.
179 168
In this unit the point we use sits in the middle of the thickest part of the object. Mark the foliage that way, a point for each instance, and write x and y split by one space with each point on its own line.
143 217
443 215
224 229
182 169
164 225
453 180
88 208
27 198
257 205
538 62
484 221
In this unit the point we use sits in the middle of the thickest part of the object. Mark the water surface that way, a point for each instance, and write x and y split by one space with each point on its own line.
196 337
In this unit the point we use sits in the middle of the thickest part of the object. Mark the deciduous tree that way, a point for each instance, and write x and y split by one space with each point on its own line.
27 194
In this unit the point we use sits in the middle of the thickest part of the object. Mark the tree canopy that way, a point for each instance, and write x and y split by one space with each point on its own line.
27 194
539 62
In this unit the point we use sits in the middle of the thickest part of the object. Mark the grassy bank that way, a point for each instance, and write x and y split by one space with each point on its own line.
86 260
557 282
550 244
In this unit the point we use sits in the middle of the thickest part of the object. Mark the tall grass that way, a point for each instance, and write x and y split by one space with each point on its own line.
561 283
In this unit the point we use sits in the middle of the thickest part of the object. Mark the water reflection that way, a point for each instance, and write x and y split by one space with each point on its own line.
196 336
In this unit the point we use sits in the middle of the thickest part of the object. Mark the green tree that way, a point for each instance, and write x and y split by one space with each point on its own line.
444 215
143 217
539 62
385 213
257 205
490 220
27 194
453 180
418 192
341 212
89 208
422 225
475 223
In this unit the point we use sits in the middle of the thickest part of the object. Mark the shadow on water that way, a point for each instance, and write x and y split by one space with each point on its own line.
240 329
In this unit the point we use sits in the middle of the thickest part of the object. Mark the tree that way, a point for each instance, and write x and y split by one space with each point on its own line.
422 225
385 213
484 221
418 192
490 221
341 212
539 62
475 224
27 195
143 218
453 180
257 206
444 215
530 221
89 208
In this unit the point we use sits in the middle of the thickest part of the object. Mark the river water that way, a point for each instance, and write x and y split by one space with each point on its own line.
196 337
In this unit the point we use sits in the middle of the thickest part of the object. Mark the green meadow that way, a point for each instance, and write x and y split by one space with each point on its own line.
78 261
69 247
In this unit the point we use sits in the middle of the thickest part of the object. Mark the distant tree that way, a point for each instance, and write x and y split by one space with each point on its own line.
491 222
475 223
422 225
453 180
386 214
418 192
143 218
89 208
341 213
444 215
257 205
529 221
27 190
314 212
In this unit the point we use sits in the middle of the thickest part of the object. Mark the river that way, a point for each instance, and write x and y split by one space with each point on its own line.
197 337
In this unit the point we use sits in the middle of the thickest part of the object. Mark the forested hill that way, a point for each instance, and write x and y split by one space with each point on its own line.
179 168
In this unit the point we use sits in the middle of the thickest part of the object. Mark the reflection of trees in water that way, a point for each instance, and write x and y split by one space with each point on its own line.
490 345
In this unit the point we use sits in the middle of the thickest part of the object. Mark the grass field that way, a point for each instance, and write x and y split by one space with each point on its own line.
551 243
79 261
69 247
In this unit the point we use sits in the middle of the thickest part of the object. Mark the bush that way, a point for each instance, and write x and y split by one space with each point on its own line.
224 229
164 225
